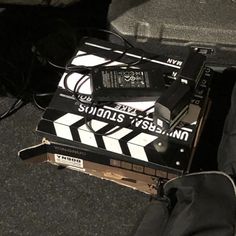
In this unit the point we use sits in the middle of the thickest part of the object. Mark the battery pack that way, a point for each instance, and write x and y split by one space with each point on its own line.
172 106
117 84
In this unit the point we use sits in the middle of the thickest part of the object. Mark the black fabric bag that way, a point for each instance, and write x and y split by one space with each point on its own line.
227 148
201 204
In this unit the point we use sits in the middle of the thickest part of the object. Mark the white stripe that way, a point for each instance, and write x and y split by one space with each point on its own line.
136 145
187 129
138 152
62 125
68 119
148 59
97 46
112 141
88 60
95 124
61 83
114 128
120 133
63 131
151 60
198 96
148 118
164 63
133 55
80 52
66 96
86 136
115 63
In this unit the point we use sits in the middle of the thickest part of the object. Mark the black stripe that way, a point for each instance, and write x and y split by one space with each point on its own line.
154 155
100 133
123 142
129 136
79 123
46 127
106 129
52 114
74 129
99 141
124 148
75 134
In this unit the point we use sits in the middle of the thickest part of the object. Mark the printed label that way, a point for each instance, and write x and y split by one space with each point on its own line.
68 161
125 79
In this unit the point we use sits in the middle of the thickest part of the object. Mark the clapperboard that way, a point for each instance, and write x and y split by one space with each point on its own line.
137 140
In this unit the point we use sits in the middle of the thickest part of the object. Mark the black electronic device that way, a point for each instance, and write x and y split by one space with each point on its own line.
173 104
126 84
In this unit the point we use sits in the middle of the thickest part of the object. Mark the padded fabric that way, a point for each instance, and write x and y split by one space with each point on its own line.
227 148
200 204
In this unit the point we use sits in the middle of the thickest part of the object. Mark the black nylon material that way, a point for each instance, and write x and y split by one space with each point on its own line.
201 204
227 148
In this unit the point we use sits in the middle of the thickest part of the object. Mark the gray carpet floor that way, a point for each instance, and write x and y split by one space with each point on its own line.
42 200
